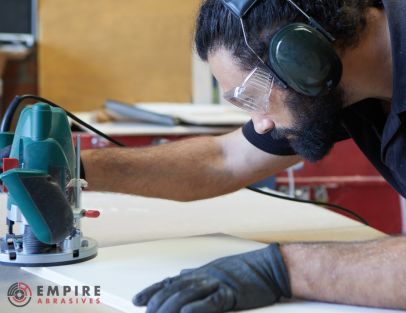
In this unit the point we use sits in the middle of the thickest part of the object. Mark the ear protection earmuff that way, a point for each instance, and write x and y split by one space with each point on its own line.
304 59
300 55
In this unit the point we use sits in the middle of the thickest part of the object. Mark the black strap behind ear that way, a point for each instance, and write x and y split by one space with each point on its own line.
304 59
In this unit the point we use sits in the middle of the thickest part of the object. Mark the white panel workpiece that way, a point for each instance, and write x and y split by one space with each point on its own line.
122 271
128 219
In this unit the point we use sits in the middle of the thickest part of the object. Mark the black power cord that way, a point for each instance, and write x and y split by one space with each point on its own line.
325 204
8 116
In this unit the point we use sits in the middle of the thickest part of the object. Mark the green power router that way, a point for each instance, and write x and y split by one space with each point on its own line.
42 180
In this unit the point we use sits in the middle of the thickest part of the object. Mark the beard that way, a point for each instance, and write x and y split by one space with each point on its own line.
316 121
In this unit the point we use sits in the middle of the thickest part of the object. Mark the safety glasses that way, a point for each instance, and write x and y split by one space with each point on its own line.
254 93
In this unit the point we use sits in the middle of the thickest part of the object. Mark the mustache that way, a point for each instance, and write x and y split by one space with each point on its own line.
288 133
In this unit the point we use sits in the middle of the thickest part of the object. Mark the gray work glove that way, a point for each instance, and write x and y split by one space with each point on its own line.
244 281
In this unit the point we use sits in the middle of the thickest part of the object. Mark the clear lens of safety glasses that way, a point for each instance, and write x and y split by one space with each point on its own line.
253 95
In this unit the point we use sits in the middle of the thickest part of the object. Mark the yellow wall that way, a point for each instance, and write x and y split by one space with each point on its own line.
129 50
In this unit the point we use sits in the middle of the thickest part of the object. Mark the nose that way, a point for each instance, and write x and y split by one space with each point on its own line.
262 123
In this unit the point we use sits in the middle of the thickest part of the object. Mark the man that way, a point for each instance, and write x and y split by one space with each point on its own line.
368 104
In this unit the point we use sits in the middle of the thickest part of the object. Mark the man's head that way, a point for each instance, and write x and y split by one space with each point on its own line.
308 122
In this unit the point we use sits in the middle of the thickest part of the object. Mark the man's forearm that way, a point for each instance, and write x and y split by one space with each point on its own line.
370 273
183 170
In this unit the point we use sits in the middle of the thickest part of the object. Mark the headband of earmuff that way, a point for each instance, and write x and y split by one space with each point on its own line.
239 7
301 55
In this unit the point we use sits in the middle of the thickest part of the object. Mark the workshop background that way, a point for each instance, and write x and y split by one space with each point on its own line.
142 51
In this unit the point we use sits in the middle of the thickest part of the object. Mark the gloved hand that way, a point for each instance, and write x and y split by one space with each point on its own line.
245 281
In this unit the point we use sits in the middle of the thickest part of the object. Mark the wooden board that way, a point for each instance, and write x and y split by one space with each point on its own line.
127 50
122 271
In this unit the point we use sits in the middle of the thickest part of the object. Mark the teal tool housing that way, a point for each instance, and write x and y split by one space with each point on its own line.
39 187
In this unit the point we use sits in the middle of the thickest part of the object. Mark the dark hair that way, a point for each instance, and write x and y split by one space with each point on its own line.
216 27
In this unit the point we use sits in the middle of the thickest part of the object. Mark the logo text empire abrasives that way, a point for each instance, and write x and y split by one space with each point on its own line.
20 294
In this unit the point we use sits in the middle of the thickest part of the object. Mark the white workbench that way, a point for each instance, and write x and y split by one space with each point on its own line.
129 220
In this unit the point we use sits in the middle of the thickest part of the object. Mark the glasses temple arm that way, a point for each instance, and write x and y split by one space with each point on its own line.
282 83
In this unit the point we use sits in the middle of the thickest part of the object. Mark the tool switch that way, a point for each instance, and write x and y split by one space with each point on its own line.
91 213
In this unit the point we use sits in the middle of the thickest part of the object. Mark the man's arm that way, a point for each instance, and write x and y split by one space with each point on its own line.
185 170
365 273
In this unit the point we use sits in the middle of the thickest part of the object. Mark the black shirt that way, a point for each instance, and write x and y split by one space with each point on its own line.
381 136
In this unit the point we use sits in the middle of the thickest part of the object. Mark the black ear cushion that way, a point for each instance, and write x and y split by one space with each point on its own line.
304 59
